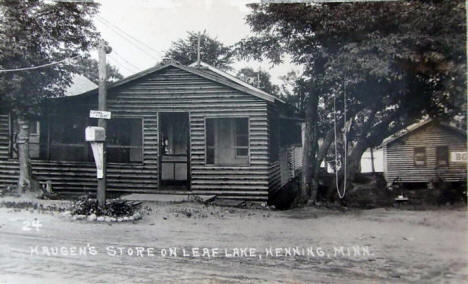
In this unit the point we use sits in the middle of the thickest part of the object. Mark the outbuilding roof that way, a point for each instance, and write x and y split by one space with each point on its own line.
415 126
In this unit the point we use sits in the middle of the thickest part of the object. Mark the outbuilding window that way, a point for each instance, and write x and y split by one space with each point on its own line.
227 141
420 156
442 156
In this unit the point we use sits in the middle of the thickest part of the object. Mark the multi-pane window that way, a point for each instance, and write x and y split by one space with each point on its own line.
420 156
63 139
241 133
442 156
210 141
124 140
227 141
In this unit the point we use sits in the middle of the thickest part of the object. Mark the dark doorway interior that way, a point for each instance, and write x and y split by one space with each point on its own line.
174 150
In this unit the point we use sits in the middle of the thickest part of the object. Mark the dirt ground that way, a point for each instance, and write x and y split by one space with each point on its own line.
193 243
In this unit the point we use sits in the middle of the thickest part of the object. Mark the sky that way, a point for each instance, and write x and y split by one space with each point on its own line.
140 31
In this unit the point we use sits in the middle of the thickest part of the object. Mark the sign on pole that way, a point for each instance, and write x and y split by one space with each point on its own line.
100 114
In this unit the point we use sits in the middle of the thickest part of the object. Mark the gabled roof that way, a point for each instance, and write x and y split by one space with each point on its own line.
415 126
234 79
220 77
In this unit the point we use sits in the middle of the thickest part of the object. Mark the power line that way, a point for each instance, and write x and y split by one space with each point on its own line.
128 62
128 39
37 67
129 35
120 64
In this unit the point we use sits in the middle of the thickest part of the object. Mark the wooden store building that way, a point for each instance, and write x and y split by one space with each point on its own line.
174 129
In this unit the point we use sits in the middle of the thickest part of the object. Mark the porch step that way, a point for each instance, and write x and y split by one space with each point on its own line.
156 197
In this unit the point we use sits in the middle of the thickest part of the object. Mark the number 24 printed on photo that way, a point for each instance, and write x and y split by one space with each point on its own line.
31 225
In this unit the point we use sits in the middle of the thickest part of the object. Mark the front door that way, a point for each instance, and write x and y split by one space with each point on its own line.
174 149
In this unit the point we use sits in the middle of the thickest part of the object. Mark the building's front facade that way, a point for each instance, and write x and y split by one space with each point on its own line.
174 129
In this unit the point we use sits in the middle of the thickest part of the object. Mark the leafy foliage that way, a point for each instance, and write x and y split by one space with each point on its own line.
89 67
36 32
395 61
411 53
259 79
212 51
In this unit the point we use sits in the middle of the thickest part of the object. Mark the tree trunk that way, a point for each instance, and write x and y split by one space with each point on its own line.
309 183
321 154
354 159
353 165
24 182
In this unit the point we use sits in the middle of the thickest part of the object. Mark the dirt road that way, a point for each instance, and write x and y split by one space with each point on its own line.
191 243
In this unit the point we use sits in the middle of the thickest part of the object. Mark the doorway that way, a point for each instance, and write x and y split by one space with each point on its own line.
174 150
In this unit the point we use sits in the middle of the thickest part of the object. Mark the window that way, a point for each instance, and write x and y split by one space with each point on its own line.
34 137
274 138
442 156
420 156
34 128
65 140
124 140
227 141
242 137
210 141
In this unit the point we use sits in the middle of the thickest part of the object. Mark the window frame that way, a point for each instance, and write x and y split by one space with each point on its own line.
85 144
438 155
38 128
236 136
205 132
49 144
142 123
415 151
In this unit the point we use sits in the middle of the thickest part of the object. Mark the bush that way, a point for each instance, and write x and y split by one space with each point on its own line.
113 208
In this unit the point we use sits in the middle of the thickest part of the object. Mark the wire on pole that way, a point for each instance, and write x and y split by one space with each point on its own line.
37 67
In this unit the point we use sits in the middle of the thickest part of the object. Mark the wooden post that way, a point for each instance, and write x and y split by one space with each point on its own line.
102 104
372 159
258 77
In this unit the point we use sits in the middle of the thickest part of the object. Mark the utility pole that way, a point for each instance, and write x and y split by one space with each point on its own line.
198 50
258 77
102 104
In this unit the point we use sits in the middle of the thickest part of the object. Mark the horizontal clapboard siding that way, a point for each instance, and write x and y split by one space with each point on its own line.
81 177
274 169
399 156
4 136
175 90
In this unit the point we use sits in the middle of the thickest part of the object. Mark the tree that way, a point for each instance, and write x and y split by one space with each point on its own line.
212 51
89 68
33 33
395 61
293 89
259 79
